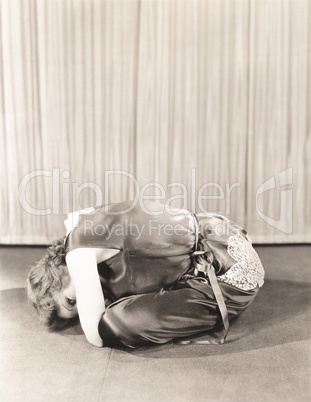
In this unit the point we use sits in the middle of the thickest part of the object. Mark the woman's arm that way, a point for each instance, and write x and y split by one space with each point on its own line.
82 266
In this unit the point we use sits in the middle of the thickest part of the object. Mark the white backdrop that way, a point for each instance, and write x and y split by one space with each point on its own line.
187 91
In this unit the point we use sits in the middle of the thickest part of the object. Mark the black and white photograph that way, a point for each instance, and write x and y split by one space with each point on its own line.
155 237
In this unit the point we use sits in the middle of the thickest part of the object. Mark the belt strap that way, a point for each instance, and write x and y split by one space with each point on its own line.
203 265
220 301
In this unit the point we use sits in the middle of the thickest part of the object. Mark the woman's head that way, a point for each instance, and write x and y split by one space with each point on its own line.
50 289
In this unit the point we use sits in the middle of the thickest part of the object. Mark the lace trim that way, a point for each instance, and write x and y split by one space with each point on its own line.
248 271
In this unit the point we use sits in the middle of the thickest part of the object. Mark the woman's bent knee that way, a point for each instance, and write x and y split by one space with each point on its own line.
117 327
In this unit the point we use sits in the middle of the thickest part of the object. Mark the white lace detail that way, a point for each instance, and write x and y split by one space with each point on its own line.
248 271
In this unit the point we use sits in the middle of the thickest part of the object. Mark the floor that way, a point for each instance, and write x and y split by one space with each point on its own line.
267 356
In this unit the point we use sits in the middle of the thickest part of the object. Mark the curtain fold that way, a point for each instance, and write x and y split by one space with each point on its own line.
204 98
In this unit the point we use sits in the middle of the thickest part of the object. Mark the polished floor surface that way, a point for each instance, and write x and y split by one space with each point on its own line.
266 358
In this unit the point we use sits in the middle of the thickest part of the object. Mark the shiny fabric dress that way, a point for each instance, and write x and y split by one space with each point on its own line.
155 286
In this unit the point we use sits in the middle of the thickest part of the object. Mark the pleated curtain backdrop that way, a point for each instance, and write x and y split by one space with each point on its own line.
212 93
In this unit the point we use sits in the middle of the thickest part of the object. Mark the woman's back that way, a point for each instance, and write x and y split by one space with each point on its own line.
154 246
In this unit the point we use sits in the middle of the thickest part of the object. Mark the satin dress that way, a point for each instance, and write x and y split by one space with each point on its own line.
156 287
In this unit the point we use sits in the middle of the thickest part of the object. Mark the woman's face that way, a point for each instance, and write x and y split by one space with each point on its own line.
66 300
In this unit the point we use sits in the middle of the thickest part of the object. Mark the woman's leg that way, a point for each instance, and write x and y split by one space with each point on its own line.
187 309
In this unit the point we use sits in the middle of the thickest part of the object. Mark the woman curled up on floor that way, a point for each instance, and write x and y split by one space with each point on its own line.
143 274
